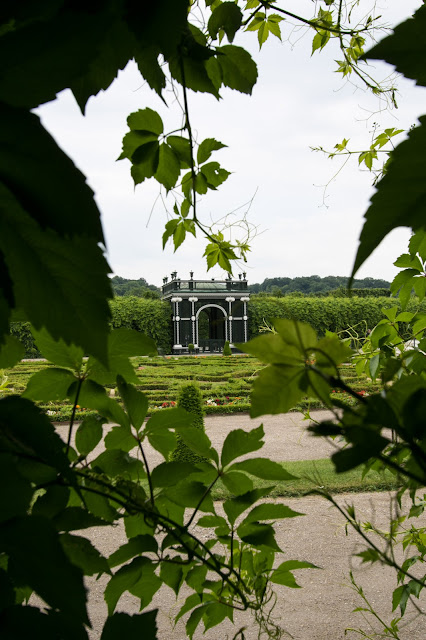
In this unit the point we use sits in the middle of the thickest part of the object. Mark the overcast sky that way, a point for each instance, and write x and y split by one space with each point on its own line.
298 102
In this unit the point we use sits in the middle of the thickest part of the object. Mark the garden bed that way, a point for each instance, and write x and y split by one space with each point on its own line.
225 383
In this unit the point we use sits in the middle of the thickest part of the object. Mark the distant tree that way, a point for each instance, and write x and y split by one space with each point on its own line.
139 288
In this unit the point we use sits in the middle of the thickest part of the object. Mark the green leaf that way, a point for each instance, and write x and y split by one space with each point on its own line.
170 229
11 352
122 344
238 443
120 438
182 148
123 625
189 494
40 441
201 185
373 365
88 434
179 235
263 468
16 499
407 261
400 597
417 244
145 162
168 474
226 16
206 149
26 621
194 58
298 334
57 351
172 575
258 535
133 140
138 578
212 521
270 511
404 48
37 173
238 69
214 174
49 384
400 195
44 267
39 562
237 483
52 502
198 441
168 167
236 506
158 429
135 401
146 120
98 504
277 389
194 620
134 547
215 613
115 462
263 33
75 518
286 578
83 554
93 396
369 445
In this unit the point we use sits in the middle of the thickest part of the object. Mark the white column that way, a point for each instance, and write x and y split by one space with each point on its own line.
193 300
230 301
245 317
176 320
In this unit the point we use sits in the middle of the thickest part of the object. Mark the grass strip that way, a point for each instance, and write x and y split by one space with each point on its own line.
320 473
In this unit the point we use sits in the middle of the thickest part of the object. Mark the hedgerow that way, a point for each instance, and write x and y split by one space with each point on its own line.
151 317
323 314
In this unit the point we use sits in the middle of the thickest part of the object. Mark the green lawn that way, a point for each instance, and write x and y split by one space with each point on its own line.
314 474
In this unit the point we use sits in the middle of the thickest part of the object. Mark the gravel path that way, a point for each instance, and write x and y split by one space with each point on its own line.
323 608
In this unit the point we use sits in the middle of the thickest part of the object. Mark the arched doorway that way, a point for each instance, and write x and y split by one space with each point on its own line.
211 328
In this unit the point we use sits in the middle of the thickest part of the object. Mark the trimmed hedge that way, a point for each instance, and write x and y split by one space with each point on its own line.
152 317
22 331
190 399
332 314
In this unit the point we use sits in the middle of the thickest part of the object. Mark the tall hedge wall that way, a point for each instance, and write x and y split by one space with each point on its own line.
152 317
333 314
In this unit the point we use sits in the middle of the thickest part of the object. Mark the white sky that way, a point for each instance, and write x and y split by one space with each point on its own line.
298 102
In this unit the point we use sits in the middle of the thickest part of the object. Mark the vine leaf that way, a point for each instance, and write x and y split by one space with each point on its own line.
46 267
405 48
206 149
39 561
11 352
226 16
38 173
239 71
49 384
123 625
400 200
238 443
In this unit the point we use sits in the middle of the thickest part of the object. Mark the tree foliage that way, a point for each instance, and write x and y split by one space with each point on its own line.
54 275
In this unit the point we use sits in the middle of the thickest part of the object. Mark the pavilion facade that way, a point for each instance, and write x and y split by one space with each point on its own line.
207 313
